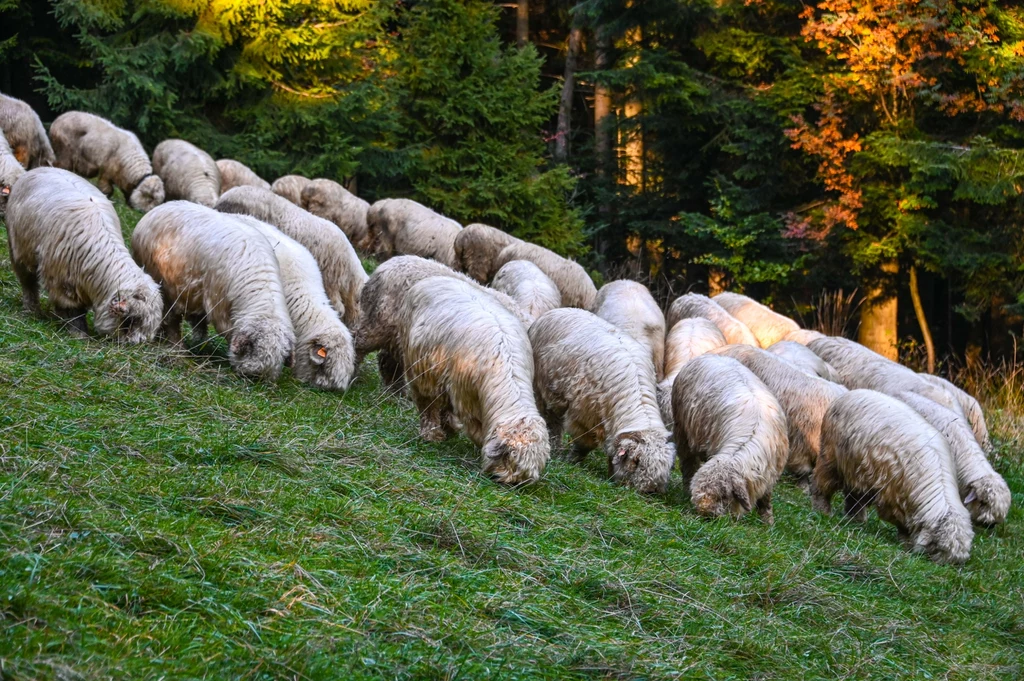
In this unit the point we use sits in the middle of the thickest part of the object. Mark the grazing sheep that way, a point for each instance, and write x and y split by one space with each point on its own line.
803 336
329 200
467 357
881 452
290 187
692 305
404 227
982 490
803 397
91 146
726 417
803 359
324 356
342 271
630 307
524 283
381 302
598 384
477 247
768 326
64 234
688 338
10 171
25 133
236 174
215 269
573 282
188 172
968 405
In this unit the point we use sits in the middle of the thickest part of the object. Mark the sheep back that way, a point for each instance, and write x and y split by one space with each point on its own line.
968 405
691 305
404 227
804 359
188 172
629 306
532 290
688 338
290 187
573 282
476 249
236 174
768 326
329 200
25 133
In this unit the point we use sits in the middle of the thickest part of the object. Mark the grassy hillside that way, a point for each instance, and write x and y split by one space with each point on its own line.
162 518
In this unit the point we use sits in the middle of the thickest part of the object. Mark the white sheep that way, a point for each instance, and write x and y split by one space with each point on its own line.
804 359
881 452
688 338
573 282
65 235
768 326
803 336
10 171
726 417
236 174
630 307
25 133
476 250
597 383
188 172
324 355
524 283
404 227
215 269
968 405
329 200
467 358
290 187
91 146
342 272
691 305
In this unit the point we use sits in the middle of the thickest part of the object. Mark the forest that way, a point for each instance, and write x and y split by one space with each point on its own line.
856 164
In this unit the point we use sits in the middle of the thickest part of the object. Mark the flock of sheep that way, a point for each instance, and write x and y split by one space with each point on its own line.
502 339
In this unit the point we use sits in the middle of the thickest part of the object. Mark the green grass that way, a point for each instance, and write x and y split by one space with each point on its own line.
162 518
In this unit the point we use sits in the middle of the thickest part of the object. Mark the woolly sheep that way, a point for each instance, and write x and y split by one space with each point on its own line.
25 133
64 234
692 305
343 273
630 307
524 283
725 416
476 249
804 359
466 357
982 490
597 383
804 398
188 172
290 187
216 269
573 282
329 200
404 227
236 174
688 338
91 146
768 326
803 336
881 452
10 171
968 405
324 356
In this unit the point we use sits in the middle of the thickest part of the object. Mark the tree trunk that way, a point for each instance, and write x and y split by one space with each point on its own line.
602 106
878 316
915 296
718 281
522 22
561 153
631 135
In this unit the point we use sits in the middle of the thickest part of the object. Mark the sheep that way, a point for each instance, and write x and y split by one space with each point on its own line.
64 234
91 146
188 172
725 416
529 287
404 227
329 200
968 405
343 273
236 174
692 305
573 282
803 336
597 383
880 451
768 326
468 359
215 269
803 397
982 490
477 247
630 307
324 356
10 171
803 359
688 338
381 302
290 187
25 133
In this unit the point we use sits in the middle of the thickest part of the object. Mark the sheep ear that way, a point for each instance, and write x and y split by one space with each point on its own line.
240 343
971 496
742 495
622 441
317 352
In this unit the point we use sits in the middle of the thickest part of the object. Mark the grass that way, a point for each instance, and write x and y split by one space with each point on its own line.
162 518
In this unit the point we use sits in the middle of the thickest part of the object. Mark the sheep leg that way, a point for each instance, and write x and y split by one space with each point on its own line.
172 328
29 281
392 373
764 508
433 416
74 320
577 453
824 484
689 461
104 185
856 508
